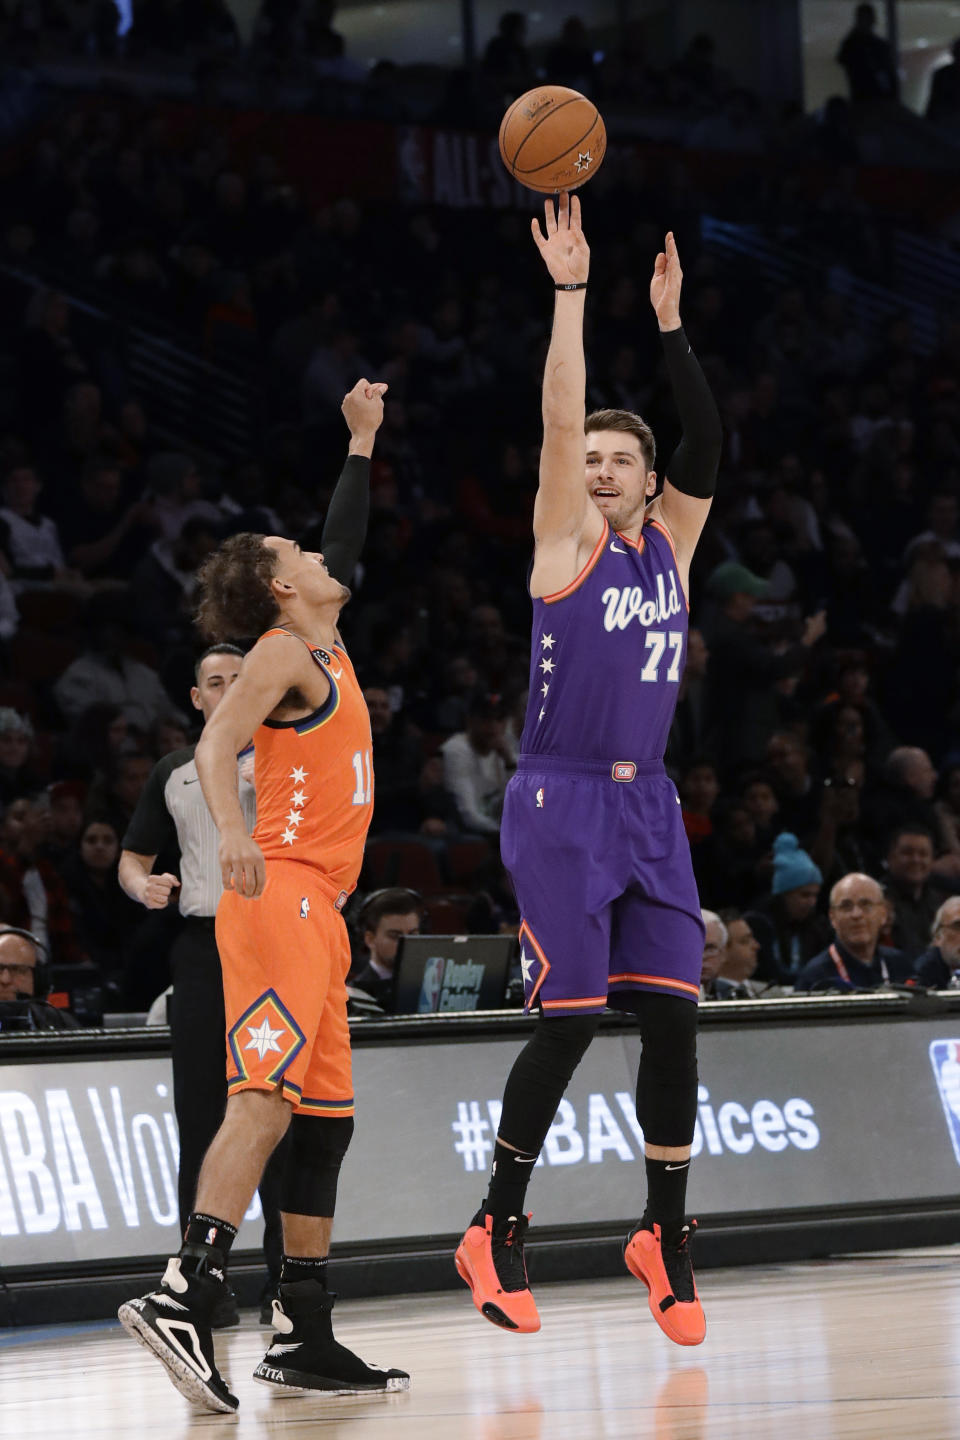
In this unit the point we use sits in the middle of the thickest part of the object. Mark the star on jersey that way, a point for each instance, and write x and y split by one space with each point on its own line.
546 666
544 687
583 161
541 715
546 641
262 1039
299 799
298 775
294 818
288 836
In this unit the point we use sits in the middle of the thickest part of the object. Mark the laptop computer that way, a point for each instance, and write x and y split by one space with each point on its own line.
448 973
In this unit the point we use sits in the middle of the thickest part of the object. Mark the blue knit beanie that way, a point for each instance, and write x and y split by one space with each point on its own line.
792 867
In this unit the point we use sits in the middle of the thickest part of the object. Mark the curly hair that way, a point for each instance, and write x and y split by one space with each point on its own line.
234 588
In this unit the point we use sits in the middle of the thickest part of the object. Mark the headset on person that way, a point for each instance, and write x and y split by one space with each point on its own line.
42 976
413 897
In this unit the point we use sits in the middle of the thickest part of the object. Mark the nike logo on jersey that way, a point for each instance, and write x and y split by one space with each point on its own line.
194 781
617 548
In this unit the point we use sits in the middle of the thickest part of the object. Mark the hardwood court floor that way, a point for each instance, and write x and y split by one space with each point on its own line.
864 1347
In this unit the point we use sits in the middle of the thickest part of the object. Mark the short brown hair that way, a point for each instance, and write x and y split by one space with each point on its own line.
630 424
234 588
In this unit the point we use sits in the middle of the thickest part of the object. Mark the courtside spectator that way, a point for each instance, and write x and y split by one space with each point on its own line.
855 960
105 918
32 894
915 891
104 669
868 60
740 956
396 765
939 965
787 762
386 917
18 773
475 768
21 1008
743 669
943 106
29 540
789 928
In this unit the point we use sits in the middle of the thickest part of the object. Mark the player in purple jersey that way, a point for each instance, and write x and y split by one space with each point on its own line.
592 832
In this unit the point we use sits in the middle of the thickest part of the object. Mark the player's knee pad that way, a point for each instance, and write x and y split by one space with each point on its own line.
667 1077
559 1043
317 1145
540 1075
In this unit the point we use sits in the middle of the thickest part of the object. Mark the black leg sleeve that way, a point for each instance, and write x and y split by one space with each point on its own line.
667 1078
198 1047
540 1075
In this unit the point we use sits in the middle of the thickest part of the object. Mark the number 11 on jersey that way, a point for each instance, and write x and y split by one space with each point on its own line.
363 770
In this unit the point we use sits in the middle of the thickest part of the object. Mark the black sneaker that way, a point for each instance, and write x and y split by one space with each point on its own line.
267 1296
304 1357
226 1312
175 1323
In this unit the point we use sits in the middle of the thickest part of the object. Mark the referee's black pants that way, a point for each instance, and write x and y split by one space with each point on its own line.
198 1045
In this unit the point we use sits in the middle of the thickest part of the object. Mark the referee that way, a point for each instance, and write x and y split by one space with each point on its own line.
172 808
171 813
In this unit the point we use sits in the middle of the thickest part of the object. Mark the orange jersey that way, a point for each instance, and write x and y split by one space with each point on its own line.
314 780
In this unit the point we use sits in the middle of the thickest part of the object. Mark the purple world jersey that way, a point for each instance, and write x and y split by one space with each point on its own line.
608 652
592 832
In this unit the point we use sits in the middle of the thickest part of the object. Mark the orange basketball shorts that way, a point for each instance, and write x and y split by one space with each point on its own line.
285 958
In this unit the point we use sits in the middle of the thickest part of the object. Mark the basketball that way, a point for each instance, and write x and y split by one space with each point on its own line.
552 139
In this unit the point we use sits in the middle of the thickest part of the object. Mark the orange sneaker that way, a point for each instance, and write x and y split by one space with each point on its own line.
490 1259
667 1272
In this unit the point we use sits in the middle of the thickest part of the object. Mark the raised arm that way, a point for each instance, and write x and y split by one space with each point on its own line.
276 664
562 513
345 527
690 477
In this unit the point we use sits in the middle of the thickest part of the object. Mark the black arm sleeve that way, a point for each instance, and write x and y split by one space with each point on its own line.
693 465
345 528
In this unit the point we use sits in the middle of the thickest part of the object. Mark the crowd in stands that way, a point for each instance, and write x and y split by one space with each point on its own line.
817 730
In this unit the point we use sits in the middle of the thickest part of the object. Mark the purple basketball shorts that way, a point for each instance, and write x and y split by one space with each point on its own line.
601 867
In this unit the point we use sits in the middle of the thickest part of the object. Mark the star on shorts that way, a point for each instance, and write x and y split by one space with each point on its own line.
262 1039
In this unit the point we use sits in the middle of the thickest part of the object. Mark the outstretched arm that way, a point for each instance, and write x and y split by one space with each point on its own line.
561 505
345 528
690 477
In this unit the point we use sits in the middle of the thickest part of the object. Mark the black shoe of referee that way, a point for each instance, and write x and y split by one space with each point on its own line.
174 1322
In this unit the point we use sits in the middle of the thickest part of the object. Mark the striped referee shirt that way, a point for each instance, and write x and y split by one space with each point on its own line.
172 810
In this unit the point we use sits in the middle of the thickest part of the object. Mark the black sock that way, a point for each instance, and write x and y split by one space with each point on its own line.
509 1179
204 1235
304 1267
666 1193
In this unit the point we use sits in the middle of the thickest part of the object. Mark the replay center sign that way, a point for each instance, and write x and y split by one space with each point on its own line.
788 1116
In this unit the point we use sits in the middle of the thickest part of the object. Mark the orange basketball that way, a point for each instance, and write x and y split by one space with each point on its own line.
552 139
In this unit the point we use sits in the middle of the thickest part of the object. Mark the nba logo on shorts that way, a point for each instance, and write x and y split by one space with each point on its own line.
945 1059
540 798
304 908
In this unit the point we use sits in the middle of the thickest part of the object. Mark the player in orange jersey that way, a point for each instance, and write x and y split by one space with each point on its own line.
285 956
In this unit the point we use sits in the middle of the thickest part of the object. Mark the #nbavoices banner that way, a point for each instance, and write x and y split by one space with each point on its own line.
788 1116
